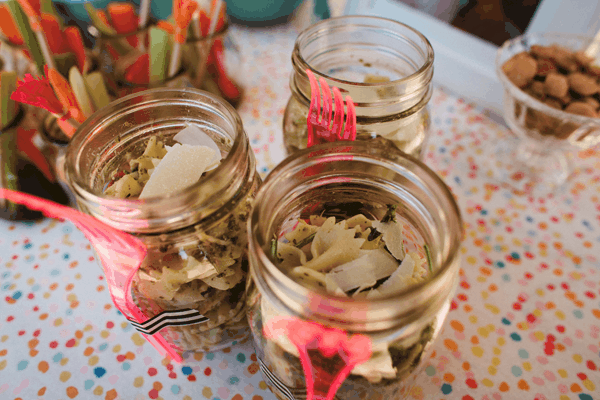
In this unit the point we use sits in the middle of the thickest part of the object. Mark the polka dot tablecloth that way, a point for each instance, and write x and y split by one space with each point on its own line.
524 323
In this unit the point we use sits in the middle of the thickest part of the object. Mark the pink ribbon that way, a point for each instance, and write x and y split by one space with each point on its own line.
316 342
121 255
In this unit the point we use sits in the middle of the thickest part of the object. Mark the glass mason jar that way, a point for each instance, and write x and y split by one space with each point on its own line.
14 58
195 238
53 144
346 179
385 66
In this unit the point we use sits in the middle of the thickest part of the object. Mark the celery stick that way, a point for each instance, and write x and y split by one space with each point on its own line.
159 49
64 62
8 169
27 33
80 91
8 84
97 90
8 142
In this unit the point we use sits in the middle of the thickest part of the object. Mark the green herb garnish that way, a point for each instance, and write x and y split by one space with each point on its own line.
305 241
428 254
274 250
390 214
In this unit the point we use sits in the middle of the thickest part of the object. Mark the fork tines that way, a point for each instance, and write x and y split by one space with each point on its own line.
321 127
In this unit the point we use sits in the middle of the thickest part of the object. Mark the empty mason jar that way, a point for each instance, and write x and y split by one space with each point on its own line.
345 179
384 65
195 238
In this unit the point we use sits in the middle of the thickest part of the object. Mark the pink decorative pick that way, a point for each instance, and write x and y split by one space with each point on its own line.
321 128
121 255
39 93
327 355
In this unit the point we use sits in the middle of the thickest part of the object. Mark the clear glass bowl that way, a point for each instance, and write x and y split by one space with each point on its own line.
536 159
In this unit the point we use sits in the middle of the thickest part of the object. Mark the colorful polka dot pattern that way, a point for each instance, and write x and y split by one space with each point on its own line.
524 323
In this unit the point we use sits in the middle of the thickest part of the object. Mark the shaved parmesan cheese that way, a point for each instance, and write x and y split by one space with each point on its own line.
364 271
329 234
154 148
181 167
339 253
194 136
405 269
378 367
392 236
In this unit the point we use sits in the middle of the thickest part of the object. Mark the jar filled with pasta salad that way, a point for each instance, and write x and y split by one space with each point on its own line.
384 65
350 240
174 168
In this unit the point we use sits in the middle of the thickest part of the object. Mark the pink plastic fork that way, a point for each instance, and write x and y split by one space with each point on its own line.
321 128
121 255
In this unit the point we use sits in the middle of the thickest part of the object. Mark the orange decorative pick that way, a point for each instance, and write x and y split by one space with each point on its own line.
183 10
75 42
65 94
166 26
9 28
124 20
54 34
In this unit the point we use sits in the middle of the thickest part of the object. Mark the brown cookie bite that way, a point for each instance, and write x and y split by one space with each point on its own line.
581 108
520 69
556 85
583 84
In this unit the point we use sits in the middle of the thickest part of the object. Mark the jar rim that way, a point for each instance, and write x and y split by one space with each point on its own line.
195 194
433 284
347 20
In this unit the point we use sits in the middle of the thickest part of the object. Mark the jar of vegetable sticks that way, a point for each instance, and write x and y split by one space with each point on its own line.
357 238
215 63
385 66
195 237
129 68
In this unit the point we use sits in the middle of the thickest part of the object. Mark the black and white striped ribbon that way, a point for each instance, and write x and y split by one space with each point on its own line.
169 318
275 381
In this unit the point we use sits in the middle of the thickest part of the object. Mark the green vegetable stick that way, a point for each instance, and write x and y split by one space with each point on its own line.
121 45
8 168
27 33
96 89
8 142
64 62
159 49
80 91
429 261
97 22
47 7
8 84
